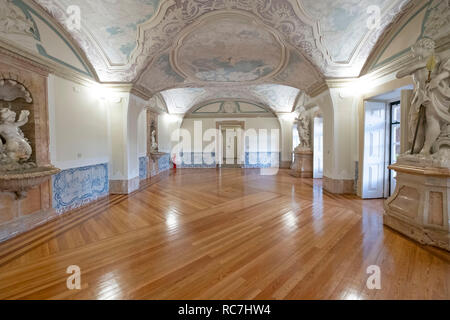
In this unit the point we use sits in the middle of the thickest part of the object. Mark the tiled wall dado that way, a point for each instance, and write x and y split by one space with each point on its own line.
196 160
76 187
164 163
259 160
253 160
145 162
143 167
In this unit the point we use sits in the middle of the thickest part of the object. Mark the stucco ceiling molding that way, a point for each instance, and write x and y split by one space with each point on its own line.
376 36
198 107
289 17
158 34
353 65
371 64
85 41
278 98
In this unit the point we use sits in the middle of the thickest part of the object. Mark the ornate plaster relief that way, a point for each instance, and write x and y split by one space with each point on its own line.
316 29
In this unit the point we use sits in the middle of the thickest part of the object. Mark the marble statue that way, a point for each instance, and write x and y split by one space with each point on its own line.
15 150
154 144
303 127
431 77
13 20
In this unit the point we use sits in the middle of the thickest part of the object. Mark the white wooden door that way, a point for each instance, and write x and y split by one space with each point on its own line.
230 146
318 148
374 150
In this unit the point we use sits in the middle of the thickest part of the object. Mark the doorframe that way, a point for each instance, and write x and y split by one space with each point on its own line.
317 115
386 146
388 140
388 192
219 141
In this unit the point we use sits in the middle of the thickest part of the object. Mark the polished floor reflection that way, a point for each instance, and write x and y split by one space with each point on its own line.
230 234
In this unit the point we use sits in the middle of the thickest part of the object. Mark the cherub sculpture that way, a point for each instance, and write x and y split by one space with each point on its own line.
431 93
303 127
16 148
154 144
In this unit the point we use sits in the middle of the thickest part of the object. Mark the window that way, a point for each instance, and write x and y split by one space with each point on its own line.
395 140
295 140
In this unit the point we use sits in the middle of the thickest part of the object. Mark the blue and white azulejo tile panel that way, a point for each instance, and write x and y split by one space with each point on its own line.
143 167
164 163
259 160
76 187
197 160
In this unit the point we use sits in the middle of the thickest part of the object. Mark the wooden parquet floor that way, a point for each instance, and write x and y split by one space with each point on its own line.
230 234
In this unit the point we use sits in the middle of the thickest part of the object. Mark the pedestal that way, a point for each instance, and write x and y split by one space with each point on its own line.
303 164
154 168
419 208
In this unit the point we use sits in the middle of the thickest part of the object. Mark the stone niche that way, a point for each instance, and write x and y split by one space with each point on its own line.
20 214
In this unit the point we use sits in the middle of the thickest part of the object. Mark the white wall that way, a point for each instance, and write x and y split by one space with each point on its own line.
134 109
167 125
78 125
90 126
142 133
250 123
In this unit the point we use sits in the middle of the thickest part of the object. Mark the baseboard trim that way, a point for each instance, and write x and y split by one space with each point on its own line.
339 186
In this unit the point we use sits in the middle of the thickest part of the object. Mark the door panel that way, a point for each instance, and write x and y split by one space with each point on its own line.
374 150
318 148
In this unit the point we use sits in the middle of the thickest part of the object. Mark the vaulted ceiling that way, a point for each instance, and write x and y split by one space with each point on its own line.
194 50
279 98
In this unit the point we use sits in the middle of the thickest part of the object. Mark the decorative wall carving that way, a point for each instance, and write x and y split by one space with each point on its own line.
13 20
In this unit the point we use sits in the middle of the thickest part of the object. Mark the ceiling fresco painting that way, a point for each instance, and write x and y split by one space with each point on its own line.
133 33
338 20
181 100
437 23
116 29
233 54
298 66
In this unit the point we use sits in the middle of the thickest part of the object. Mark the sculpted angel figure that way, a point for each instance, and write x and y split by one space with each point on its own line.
154 144
16 148
431 93
303 127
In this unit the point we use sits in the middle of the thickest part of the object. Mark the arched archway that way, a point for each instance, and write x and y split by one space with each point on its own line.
207 125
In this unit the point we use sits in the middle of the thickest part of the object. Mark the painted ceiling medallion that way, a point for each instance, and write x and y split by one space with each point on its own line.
228 48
